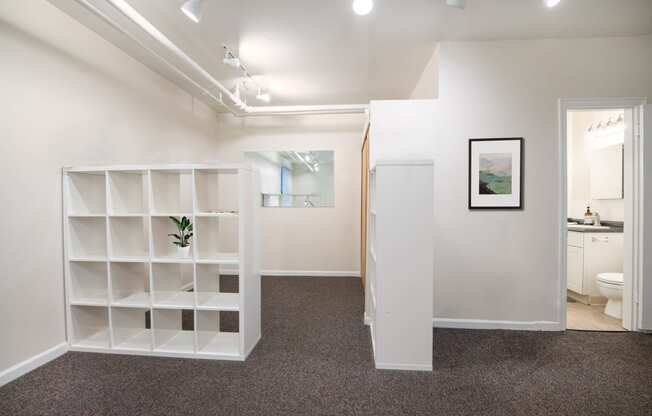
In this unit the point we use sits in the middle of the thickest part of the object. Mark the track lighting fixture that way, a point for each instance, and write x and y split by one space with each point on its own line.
247 81
363 7
192 10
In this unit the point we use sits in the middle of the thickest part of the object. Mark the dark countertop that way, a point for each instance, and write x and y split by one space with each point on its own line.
615 227
611 230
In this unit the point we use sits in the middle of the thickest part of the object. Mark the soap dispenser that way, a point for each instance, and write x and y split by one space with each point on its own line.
588 216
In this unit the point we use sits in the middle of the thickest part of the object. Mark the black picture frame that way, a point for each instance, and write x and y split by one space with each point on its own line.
521 166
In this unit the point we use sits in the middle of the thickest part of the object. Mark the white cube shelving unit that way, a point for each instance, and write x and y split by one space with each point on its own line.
400 264
127 289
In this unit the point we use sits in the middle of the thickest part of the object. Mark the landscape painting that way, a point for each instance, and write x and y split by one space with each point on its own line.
495 174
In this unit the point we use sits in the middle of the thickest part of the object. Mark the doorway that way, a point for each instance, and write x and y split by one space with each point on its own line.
601 214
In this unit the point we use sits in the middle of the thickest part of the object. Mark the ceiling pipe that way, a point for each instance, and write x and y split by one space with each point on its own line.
236 106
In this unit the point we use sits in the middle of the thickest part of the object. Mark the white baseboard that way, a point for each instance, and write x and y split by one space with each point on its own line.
32 363
403 367
486 324
310 273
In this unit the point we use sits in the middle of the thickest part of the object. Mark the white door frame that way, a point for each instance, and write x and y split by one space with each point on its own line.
634 230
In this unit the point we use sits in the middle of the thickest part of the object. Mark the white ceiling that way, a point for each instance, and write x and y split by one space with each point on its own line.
320 52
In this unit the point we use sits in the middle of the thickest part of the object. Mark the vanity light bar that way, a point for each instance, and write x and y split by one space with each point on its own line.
610 127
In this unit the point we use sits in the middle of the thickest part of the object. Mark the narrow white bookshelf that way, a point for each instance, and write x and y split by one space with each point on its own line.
399 274
129 291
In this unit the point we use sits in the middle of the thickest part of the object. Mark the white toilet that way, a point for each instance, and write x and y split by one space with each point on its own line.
610 286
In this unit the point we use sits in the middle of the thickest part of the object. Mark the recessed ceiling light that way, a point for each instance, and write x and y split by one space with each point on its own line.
363 7
192 10
551 3
460 4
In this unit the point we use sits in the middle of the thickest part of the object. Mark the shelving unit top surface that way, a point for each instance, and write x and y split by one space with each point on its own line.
207 167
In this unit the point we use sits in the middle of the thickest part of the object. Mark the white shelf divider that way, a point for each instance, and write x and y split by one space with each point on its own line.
400 246
121 266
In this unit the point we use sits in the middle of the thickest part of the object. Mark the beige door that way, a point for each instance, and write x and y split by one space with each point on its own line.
364 206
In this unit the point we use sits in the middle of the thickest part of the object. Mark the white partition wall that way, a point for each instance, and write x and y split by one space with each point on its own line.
127 288
400 264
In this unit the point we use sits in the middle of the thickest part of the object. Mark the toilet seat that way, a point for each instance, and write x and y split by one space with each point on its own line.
613 279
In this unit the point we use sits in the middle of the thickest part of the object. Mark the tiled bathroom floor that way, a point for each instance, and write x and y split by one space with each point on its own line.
590 318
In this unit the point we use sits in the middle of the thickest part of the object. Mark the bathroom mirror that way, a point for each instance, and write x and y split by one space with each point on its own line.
295 179
607 172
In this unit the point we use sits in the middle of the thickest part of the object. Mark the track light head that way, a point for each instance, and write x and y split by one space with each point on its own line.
192 10
263 96
232 61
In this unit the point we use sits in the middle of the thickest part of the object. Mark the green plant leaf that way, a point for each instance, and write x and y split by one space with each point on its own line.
175 236
175 220
177 244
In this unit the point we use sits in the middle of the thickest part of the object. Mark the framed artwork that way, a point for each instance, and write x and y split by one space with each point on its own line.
496 173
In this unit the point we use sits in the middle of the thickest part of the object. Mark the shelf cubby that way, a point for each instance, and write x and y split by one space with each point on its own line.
86 193
216 191
216 239
130 284
130 331
163 248
128 193
90 326
170 333
171 192
210 294
89 283
215 334
129 238
87 238
173 285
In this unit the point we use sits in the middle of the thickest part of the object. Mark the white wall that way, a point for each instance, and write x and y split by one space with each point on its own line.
402 130
68 97
270 173
427 86
316 239
579 168
504 265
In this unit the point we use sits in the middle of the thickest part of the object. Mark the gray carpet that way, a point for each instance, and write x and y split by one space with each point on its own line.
315 359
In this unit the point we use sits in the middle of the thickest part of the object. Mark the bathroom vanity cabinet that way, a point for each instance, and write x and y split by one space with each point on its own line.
590 253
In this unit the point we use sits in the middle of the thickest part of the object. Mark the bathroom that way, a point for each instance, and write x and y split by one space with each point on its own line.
597 204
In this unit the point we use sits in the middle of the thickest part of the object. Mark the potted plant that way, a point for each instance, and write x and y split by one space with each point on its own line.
182 238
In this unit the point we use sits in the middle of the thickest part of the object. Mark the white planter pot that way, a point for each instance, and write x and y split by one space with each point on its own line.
183 252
